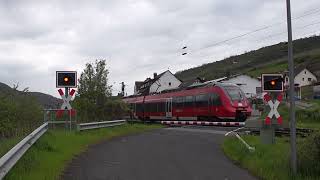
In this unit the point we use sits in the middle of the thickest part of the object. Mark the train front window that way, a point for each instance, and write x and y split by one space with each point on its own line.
234 93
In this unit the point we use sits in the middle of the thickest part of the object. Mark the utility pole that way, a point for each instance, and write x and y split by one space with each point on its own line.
291 94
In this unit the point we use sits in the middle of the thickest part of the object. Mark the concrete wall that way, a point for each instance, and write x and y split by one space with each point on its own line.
165 82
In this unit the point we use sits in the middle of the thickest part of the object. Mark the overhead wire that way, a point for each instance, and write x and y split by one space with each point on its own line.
297 28
310 12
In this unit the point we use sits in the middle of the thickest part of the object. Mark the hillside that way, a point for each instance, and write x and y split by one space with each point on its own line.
270 59
45 100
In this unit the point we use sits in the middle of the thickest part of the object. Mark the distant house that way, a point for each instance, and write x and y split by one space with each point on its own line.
161 82
302 77
247 84
137 86
191 82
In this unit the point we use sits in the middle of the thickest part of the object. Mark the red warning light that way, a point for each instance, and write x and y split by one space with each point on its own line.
273 83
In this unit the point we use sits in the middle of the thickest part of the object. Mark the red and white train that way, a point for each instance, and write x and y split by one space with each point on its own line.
208 102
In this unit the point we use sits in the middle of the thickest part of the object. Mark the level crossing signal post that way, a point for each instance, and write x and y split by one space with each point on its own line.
272 86
66 80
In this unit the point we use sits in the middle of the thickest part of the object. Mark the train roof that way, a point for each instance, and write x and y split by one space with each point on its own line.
199 85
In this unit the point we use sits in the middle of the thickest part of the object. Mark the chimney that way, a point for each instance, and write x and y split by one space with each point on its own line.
155 75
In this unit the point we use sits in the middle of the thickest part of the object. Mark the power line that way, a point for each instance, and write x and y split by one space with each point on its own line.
297 28
310 12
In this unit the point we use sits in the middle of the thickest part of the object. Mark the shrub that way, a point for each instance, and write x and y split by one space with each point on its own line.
19 115
309 155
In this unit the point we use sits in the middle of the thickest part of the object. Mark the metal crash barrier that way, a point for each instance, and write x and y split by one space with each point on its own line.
96 125
11 157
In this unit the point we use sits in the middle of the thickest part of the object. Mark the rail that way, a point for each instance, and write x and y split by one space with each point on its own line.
95 125
301 132
12 157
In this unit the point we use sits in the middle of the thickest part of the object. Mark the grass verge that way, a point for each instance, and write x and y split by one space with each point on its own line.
49 156
267 162
7 144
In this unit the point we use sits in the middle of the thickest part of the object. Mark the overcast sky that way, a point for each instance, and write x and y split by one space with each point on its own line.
137 37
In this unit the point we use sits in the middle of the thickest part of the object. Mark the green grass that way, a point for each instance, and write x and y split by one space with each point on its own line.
267 162
49 156
7 144
271 68
307 92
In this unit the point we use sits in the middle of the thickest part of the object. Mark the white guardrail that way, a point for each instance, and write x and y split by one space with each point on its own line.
10 158
95 125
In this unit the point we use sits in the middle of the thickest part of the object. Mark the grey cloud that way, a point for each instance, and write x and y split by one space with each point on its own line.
137 37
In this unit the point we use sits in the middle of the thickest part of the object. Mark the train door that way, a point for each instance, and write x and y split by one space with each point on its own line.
215 104
169 108
211 108
202 104
134 110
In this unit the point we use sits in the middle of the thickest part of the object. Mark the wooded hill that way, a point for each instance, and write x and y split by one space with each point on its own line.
270 59
45 100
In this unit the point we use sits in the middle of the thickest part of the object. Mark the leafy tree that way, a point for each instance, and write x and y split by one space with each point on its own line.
93 101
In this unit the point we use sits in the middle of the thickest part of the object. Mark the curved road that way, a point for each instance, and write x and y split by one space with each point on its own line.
164 154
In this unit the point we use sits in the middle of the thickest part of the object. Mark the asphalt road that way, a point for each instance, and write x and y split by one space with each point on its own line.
165 154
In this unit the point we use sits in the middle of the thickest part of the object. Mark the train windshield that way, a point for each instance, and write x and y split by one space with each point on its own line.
234 93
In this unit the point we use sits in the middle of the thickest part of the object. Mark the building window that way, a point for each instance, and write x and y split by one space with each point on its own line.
169 83
309 79
287 79
302 79
305 72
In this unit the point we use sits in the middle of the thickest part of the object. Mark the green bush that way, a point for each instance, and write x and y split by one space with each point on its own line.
309 155
19 115
308 115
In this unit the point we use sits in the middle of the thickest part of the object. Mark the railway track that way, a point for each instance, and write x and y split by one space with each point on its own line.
302 132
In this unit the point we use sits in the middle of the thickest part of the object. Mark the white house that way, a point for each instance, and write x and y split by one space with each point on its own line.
303 77
247 84
161 82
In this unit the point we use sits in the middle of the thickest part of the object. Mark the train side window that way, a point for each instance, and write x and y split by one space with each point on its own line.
216 101
202 100
162 106
157 107
178 102
147 107
188 101
139 107
182 101
152 107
